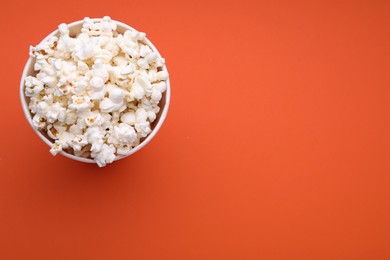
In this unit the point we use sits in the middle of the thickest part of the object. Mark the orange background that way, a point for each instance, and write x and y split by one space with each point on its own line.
276 145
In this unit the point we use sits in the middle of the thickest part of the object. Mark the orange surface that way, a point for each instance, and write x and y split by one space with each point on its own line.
276 145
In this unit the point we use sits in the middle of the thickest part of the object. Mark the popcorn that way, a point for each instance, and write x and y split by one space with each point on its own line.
70 118
39 122
120 61
42 108
85 48
143 63
156 95
161 86
79 142
144 50
63 29
56 148
80 103
55 111
95 94
123 134
162 75
81 86
128 118
151 57
106 155
82 66
75 129
84 152
143 128
94 119
123 150
141 124
97 88
137 90
100 70
33 86
95 137
114 101
61 115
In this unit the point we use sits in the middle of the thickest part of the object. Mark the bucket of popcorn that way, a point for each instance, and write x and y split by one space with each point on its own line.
95 90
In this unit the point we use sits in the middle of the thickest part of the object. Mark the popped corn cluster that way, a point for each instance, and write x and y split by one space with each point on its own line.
95 94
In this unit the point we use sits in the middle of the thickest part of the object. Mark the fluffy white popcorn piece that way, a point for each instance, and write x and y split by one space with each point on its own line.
114 101
141 124
150 108
97 93
159 62
71 117
123 149
106 120
156 96
137 92
55 111
81 86
79 142
75 129
143 128
95 137
106 155
114 119
82 67
63 29
151 57
145 84
54 131
162 75
144 50
81 122
86 47
56 148
120 61
38 121
42 108
33 86
143 63
65 139
128 118
123 134
107 105
94 119
80 103
155 76
100 70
